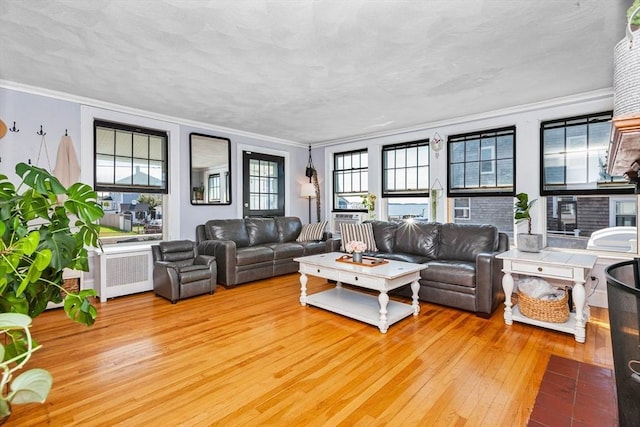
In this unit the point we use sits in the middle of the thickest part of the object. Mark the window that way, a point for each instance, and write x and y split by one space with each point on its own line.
461 208
350 180
399 208
574 152
586 207
131 180
405 169
129 158
482 163
214 187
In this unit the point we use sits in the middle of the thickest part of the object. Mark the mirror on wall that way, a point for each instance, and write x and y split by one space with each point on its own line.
210 170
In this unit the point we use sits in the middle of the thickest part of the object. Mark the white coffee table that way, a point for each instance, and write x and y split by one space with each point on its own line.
378 311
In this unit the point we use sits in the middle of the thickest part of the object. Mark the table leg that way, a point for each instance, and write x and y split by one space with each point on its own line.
507 286
303 289
383 298
579 300
415 287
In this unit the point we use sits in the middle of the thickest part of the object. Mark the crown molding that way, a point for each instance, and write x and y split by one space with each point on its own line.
137 112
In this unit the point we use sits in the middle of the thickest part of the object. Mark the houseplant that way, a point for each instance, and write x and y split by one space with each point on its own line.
527 242
38 242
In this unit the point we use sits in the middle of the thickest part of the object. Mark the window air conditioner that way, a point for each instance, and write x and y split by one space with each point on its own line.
338 218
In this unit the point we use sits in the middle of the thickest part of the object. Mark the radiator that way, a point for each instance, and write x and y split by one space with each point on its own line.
125 271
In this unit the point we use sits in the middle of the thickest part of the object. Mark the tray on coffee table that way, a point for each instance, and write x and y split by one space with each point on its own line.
367 261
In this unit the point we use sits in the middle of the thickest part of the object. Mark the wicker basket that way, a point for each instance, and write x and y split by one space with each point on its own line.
626 73
556 311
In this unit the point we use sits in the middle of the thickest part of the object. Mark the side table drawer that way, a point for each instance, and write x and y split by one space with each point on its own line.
318 271
547 270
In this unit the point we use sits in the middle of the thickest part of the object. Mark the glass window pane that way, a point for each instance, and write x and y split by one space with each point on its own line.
504 147
156 148
457 152
457 176
123 144
472 151
472 175
104 169
399 208
105 140
140 146
124 172
553 141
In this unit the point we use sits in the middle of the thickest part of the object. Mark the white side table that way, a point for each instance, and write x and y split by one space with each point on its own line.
572 267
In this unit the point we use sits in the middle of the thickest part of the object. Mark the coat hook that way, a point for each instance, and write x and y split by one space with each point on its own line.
65 133
41 133
29 161
13 129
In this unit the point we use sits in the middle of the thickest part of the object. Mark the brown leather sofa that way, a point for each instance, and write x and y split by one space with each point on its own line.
462 269
257 248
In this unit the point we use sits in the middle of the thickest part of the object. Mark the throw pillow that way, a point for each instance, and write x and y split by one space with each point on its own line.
359 232
311 232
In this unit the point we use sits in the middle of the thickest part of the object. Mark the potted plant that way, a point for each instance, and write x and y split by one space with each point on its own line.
528 242
38 241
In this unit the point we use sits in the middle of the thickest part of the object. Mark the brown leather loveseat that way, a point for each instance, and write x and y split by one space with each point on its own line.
462 269
257 248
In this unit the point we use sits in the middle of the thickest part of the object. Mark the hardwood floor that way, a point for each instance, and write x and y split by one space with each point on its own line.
253 356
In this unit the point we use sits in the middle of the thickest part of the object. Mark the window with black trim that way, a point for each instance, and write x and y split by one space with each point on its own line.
350 180
586 207
574 157
405 169
129 158
482 163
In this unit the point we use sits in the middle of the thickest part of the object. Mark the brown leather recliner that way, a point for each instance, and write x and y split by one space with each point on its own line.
179 272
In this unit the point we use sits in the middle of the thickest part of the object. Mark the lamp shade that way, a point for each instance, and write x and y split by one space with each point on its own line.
307 190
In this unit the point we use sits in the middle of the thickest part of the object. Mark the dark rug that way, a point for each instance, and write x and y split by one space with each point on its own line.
573 393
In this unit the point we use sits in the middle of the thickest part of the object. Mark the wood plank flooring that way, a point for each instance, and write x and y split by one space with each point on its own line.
253 356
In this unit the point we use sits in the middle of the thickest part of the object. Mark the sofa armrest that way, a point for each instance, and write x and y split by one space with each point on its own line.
224 252
205 260
332 244
166 280
489 293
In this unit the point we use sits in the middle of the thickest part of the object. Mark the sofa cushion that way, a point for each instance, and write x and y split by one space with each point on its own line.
464 241
253 255
384 233
311 232
227 229
289 228
462 273
261 230
286 250
358 232
420 238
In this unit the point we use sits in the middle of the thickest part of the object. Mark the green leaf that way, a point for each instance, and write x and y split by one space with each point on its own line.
79 308
14 321
83 202
39 179
31 386
30 242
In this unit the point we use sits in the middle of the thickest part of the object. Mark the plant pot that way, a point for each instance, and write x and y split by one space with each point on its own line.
357 257
529 242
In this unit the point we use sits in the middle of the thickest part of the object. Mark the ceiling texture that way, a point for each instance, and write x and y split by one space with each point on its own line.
312 71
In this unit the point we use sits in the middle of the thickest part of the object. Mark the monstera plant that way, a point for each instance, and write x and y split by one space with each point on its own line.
44 228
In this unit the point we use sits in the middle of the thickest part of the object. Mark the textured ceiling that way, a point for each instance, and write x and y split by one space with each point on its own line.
312 71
